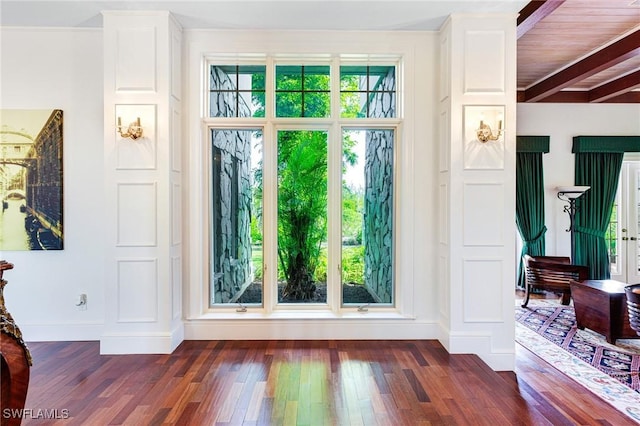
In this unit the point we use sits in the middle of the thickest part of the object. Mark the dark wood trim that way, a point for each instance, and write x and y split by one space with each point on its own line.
609 56
534 12
615 88
582 96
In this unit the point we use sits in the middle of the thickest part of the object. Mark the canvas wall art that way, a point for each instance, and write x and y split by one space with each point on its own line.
31 179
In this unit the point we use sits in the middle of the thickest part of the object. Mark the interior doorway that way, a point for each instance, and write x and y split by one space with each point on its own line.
623 236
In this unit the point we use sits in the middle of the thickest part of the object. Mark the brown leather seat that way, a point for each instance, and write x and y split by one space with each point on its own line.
552 273
633 305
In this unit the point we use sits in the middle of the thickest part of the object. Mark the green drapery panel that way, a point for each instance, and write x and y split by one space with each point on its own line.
530 197
532 144
618 144
600 171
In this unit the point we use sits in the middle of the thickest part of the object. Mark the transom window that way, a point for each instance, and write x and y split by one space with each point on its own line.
302 201
236 90
302 91
367 91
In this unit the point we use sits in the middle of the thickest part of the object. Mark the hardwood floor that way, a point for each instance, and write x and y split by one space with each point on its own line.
301 383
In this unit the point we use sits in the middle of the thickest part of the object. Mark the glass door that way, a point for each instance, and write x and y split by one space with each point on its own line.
623 238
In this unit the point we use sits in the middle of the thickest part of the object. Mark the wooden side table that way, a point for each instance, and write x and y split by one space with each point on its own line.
601 306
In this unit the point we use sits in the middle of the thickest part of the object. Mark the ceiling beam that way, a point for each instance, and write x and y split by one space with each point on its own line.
604 58
534 12
582 97
615 87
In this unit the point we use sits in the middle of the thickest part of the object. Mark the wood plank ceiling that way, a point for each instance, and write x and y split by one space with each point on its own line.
579 51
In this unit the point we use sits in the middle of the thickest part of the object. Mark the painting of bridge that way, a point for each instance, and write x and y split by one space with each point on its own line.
31 179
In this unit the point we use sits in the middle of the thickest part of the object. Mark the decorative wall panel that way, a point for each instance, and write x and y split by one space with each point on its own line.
137 290
176 286
481 283
443 217
176 214
445 141
445 75
176 75
176 152
483 214
137 214
445 289
484 68
135 60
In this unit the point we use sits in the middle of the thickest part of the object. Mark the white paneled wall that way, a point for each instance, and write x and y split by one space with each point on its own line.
477 187
142 78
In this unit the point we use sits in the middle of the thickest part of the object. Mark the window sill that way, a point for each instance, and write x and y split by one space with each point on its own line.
302 315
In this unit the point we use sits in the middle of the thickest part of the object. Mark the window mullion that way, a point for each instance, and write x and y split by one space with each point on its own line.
270 215
269 96
334 237
270 201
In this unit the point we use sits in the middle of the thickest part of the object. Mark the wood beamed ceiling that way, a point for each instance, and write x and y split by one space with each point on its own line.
579 51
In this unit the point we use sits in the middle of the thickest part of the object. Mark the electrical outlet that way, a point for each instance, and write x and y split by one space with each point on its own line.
81 302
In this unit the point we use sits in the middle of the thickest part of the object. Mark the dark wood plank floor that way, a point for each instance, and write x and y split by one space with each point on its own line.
302 383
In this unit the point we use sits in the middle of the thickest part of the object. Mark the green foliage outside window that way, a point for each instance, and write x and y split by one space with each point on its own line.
303 91
611 235
302 208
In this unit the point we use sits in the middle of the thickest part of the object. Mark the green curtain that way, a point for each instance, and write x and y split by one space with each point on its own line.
530 207
530 197
600 171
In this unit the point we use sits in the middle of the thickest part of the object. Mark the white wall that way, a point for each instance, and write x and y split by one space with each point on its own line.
561 122
61 69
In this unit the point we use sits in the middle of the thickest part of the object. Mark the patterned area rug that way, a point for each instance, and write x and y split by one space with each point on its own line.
611 372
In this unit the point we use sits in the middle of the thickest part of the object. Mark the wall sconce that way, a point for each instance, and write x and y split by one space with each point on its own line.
134 130
485 134
571 194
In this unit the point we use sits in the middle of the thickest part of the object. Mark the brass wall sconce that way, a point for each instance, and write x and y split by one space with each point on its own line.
134 130
485 134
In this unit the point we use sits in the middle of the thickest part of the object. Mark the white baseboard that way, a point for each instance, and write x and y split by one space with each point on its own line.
480 344
141 343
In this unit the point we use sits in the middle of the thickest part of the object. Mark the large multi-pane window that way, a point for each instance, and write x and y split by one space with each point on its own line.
317 141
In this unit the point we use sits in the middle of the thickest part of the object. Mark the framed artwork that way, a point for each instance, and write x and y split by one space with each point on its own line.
484 137
31 179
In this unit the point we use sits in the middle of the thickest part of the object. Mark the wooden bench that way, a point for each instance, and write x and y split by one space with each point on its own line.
551 273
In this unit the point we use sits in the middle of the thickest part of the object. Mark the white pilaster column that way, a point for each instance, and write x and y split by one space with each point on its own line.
143 233
477 187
